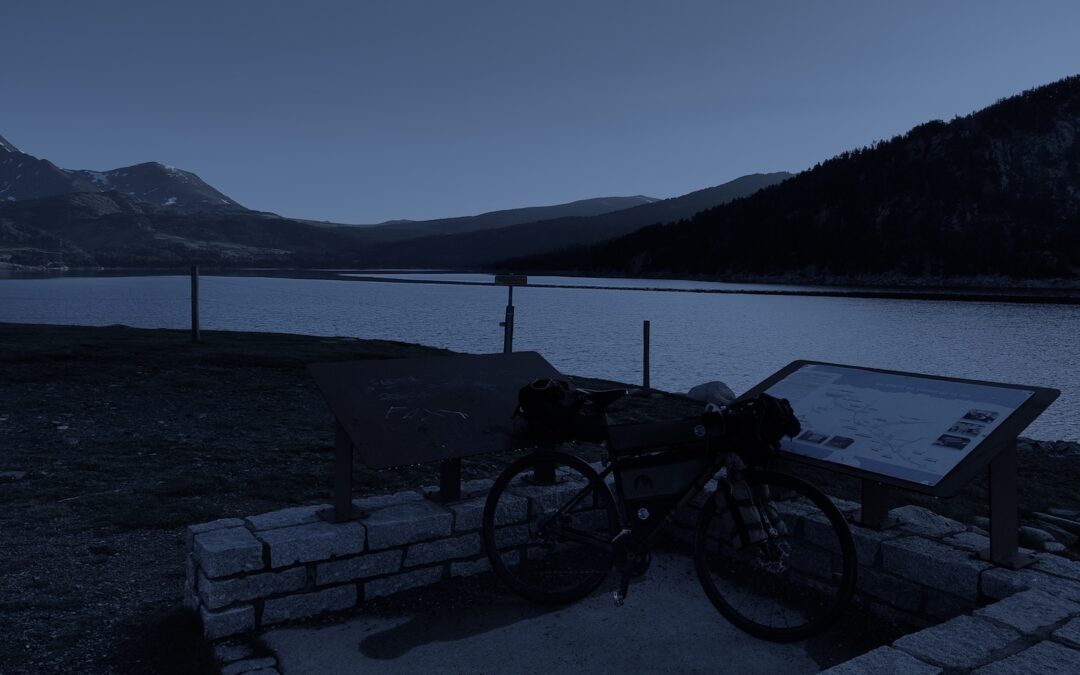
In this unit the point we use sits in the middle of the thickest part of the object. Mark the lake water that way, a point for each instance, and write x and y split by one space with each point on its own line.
696 337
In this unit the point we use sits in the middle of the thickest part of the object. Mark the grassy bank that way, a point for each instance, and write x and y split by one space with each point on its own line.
127 436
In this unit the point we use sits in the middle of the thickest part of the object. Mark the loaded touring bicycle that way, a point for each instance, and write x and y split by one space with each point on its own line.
587 519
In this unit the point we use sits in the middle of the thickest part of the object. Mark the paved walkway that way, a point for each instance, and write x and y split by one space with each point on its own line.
667 625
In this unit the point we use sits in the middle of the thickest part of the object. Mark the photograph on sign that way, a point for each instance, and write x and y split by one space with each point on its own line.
903 426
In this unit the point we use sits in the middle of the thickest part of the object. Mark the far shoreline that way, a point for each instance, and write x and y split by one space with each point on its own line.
961 289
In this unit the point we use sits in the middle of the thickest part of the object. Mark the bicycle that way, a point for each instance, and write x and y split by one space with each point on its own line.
583 520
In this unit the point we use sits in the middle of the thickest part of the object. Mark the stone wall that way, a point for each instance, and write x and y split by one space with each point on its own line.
243 574
246 574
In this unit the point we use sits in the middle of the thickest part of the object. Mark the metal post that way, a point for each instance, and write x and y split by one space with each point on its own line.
645 359
876 500
194 303
450 480
1004 520
342 508
508 325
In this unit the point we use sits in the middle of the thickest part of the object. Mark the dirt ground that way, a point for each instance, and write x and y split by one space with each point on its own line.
127 436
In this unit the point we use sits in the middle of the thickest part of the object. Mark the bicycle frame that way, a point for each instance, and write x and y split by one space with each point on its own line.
719 460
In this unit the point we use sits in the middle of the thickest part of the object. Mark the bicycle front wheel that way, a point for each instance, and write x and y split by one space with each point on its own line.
548 525
761 576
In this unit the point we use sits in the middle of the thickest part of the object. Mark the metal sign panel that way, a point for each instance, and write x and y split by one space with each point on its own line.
921 432
411 411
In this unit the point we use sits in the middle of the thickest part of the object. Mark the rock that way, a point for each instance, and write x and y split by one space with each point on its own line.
1060 534
402 582
1053 547
1033 536
1064 513
981 521
883 660
1058 521
925 522
304 605
712 392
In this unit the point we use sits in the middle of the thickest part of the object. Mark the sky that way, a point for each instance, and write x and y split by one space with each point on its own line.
362 111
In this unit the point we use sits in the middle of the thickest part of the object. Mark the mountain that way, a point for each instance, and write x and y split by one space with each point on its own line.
479 248
114 229
996 192
23 176
409 229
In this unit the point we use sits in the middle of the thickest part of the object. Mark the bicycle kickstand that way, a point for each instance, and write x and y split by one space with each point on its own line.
624 588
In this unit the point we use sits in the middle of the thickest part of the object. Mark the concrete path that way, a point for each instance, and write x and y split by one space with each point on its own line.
666 626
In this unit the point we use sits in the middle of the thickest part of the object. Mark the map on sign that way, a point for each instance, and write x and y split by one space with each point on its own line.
904 426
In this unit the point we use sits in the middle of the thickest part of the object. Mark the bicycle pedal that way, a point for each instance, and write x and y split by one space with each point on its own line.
619 598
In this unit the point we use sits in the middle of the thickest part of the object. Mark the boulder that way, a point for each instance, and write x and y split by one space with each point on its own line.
712 392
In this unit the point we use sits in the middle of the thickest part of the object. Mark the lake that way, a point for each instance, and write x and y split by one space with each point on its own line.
696 337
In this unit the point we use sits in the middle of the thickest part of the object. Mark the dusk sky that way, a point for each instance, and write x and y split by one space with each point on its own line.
366 111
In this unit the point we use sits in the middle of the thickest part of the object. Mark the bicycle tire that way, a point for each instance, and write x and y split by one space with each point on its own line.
816 586
542 566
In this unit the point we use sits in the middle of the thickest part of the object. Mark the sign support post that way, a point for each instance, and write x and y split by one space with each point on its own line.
1004 520
342 508
875 501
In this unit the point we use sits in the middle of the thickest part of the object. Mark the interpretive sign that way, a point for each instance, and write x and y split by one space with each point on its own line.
906 429
410 411
904 426
397 412
923 433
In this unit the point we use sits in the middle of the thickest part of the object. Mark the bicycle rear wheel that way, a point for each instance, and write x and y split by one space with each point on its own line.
761 576
550 540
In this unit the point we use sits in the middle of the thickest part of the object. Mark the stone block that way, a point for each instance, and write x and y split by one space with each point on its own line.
360 567
846 506
304 605
969 541
963 642
812 560
891 589
1000 583
191 578
896 617
443 549
297 515
883 660
217 593
248 666
941 606
1069 634
1058 566
313 541
192 530
226 622
468 515
935 565
514 535
476 486
924 522
546 498
227 652
226 551
407 523
377 588
378 502
1044 657
1030 611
